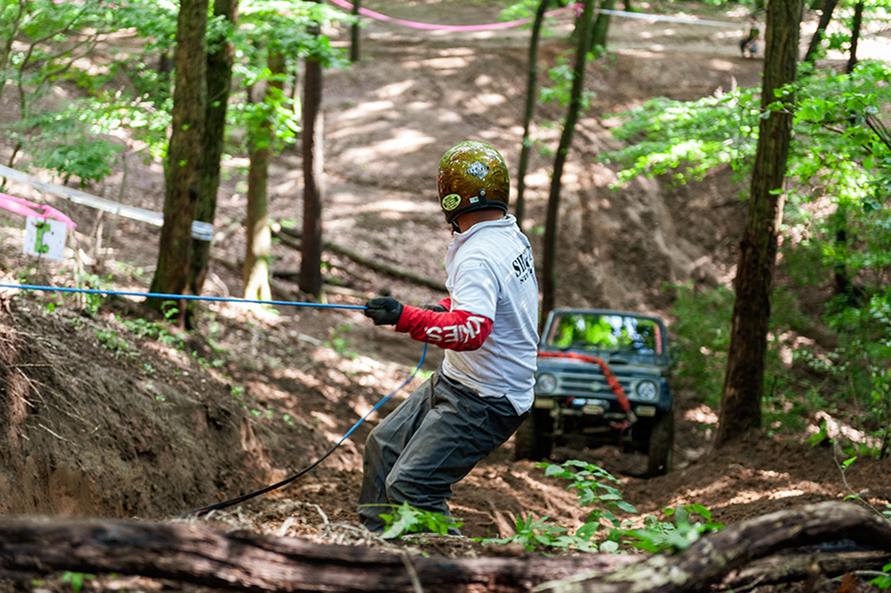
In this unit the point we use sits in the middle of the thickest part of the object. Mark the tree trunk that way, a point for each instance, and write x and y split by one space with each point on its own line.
258 250
825 17
744 382
549 269
355 33
11 33
600 28
184 152
531 99
856 25
31 547
313 172
219 82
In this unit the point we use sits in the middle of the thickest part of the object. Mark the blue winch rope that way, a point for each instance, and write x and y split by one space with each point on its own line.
186 297
286 481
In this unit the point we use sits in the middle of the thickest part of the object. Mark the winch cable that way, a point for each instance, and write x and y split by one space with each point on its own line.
178 297
286 481
611 379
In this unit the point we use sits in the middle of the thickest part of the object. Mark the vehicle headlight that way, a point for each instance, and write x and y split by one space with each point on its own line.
545 383
647 391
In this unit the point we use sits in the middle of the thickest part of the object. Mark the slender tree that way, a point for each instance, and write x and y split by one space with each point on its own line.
826 11
355 33
744 381
184 151
220 58
856 25
310 279
549 268
255 271
600 28
531 99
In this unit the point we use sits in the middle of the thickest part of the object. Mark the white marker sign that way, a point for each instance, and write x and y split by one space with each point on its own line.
45 238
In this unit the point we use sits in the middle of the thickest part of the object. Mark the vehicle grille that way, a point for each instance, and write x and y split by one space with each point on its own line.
588 385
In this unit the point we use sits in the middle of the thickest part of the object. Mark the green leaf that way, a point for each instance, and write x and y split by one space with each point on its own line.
701 510
404 519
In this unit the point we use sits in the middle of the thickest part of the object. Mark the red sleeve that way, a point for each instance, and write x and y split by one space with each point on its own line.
455 330
446 303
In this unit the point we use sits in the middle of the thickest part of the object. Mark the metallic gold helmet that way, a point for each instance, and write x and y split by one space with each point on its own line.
472 176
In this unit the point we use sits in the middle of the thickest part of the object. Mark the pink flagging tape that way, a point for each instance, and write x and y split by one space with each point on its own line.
429 27
26 208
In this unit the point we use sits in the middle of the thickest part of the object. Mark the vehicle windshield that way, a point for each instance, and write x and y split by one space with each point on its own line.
610 332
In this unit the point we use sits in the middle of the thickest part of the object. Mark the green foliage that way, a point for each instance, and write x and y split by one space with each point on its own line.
883 581
593 485
76 579
532 533
657 536
702 339
860 364
285 28
853 376
54 37
688 138
832 141
90 160
837 150
526 9
91 301
406 519
152 329
110 340
603 531
841 156
560 92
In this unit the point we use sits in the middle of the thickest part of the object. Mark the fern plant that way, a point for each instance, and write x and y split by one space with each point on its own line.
407 519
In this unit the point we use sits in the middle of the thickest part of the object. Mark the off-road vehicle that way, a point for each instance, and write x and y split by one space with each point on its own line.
602 378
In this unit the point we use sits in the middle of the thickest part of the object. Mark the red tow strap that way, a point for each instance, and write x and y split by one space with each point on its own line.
614 384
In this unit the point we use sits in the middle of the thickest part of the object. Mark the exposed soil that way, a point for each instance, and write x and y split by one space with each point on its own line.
97 420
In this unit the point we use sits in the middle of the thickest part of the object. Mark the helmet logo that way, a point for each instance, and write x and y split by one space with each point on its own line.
478 170
450 202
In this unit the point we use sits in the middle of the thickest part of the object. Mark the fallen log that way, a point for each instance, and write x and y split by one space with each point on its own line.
712 558
791 568
193 553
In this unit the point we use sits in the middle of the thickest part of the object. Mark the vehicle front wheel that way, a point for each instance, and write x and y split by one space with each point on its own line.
661 446
532 440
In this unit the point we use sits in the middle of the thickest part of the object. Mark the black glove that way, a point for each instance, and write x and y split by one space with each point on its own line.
383 311
435 307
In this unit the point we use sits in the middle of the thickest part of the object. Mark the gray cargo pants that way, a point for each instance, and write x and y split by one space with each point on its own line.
432 440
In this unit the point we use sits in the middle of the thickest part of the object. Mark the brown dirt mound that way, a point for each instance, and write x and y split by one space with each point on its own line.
116 430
